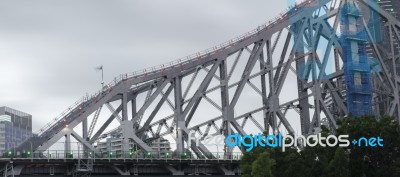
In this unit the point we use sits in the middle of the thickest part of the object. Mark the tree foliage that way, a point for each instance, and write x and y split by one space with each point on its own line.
339 165
352 161
262 166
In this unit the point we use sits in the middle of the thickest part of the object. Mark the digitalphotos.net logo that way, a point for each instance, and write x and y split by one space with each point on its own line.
249 142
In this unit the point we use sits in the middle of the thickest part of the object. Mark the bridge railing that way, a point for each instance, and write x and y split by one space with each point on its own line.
156 155
170 65
227 44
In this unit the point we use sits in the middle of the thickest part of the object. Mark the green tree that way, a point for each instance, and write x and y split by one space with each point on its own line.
248 159
372 161
294 165
262 167
333 161
246 163
317 158
397 168
339 165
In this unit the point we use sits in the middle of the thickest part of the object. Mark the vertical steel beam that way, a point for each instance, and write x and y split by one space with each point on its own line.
133 106
264 99
179 119
85 132
85 129
271 117
301 91
125 140
124 101
67 144
225 102
394 69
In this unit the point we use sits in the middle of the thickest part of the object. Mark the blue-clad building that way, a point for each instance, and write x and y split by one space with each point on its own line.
15 128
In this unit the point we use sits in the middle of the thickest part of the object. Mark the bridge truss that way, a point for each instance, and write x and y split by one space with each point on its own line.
283 76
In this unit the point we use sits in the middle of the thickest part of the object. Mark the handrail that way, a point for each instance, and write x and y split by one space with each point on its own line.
172 64
117 154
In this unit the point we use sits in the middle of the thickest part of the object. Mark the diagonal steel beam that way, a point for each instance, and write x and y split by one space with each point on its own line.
280 77
199 92
168 101
234 64
282 57
190 84
94 121
84 142
254 88
276 41
257 49
127 132
111 108
156 109
104 126
150 100
207 70
212 102
285 122
258 125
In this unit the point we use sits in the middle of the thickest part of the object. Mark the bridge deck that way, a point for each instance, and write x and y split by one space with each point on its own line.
120 160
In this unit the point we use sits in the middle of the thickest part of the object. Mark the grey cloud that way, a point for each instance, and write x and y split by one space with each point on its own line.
53 46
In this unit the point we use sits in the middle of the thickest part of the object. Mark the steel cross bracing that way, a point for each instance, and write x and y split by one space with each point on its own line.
293 66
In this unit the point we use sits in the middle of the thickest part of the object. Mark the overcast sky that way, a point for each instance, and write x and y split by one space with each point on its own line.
49 49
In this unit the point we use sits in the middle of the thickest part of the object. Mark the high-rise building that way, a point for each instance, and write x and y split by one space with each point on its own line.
15 128
113 147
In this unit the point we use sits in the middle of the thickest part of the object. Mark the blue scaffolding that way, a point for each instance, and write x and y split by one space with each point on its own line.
357 71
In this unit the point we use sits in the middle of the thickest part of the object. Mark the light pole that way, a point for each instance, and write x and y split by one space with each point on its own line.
217 151
64 154
31 152
100 68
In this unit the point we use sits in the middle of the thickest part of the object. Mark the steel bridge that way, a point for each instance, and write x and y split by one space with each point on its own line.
286 75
